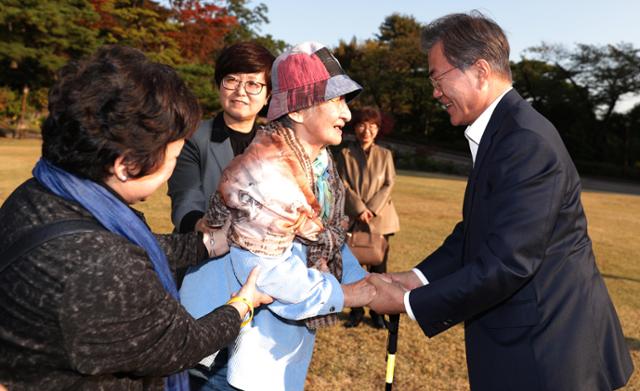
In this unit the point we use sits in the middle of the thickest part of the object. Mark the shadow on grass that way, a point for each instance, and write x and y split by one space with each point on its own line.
611 276
634 344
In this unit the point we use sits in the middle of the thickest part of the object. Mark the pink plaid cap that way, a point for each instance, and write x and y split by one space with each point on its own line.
305 75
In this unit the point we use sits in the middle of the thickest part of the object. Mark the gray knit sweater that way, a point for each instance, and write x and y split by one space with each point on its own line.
87 311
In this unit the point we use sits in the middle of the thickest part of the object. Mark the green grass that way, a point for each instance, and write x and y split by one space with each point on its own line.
429 206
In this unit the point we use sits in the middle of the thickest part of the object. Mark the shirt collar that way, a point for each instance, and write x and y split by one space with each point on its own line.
474 132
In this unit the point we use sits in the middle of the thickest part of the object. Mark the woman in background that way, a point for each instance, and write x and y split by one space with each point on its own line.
368 175
243 79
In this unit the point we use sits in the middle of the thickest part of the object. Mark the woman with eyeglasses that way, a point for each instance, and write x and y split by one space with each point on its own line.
243 78
368 175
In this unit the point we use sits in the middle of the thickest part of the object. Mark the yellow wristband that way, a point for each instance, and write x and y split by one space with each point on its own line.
245 301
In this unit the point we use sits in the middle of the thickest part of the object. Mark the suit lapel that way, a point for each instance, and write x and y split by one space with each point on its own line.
222 153
494 125
495 122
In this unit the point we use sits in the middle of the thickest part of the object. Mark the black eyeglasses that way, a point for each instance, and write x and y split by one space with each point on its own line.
251 87
435 81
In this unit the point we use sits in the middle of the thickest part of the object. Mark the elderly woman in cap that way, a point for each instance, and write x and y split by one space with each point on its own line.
285 202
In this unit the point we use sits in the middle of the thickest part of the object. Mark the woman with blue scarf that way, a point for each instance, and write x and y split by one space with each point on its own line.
100 309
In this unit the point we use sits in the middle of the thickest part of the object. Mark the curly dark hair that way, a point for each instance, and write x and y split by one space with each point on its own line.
116 103
244 57
466 38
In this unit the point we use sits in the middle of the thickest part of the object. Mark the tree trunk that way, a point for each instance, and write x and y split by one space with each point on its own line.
23 110
626 149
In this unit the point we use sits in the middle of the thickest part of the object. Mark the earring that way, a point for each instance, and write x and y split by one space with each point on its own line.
124 178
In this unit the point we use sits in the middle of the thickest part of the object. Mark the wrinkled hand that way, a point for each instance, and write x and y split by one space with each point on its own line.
201 225
408 280
214 238
358 294
251 293
389 298
366 216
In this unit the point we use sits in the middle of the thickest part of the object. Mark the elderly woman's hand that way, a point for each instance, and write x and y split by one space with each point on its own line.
251 293
358 294
214 238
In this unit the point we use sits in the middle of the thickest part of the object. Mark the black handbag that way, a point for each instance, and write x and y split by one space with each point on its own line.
368 247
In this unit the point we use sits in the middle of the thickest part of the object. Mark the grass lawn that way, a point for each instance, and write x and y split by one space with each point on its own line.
429 206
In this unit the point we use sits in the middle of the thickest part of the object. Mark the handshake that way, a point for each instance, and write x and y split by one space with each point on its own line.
383 293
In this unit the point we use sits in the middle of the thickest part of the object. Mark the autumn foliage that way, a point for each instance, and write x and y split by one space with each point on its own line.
201 28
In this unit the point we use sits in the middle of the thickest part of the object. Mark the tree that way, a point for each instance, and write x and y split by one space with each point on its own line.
199 78
248 25
397 27
631 139
393 72
201 29
38 37
144 25
601 75
546 88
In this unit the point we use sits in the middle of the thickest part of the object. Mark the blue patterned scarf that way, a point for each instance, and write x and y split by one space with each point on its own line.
118 218
320 168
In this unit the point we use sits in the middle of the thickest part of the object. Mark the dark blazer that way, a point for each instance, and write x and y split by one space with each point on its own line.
197 173
519 269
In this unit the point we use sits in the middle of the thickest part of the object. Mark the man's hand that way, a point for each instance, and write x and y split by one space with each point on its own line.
408 280
358 294
389 298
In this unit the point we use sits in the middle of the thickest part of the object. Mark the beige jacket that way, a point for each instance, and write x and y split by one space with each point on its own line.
369 182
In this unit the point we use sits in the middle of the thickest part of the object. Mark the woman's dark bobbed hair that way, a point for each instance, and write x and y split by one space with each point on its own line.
244 57
116 103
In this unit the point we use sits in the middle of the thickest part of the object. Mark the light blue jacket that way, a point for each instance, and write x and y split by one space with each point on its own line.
274 351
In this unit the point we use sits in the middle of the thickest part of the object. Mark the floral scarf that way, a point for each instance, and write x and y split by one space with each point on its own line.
271 193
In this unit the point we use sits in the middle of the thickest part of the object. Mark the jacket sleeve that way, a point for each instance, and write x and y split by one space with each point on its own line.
183 250
447 258
299 292
352 271
185 187
523 200
381 198
117 317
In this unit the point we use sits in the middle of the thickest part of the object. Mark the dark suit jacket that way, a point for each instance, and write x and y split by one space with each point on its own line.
519 269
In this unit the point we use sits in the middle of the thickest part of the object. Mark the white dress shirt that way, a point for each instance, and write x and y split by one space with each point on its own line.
473 133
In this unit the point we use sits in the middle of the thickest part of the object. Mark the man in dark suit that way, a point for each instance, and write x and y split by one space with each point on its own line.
519 269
